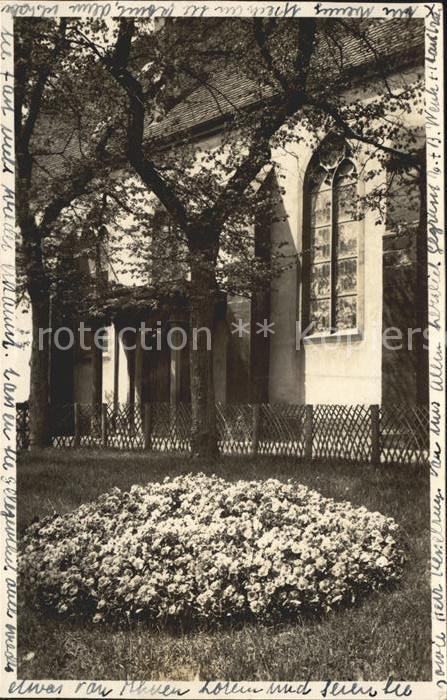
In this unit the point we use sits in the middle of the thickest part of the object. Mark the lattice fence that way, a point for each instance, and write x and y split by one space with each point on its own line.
404 434
282 430
342 433
170 427
234 428
122 426
324 433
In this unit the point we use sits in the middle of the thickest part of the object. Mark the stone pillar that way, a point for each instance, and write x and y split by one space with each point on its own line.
130 341
96 369
131 356
122 373
221 334
108 365
138 370
175 367
239 350
116 356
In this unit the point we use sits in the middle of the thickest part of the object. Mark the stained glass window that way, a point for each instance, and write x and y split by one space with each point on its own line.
332 239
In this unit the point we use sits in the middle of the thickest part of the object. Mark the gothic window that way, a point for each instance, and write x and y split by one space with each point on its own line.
331 240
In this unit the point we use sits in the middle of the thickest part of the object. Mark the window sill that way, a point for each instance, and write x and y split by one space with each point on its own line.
339 337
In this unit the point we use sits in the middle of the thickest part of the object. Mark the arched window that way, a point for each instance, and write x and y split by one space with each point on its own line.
331 240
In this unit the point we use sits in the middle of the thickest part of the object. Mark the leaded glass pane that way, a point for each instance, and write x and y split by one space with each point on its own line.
346 173
345 312
320 244
347 239
320 280
320 214
346 202
321 179
332 151
346 276
319 315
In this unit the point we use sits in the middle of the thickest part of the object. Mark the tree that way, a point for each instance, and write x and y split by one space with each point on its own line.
68 128
294 84
43 67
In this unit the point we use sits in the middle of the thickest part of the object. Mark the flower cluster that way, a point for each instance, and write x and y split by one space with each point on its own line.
200 547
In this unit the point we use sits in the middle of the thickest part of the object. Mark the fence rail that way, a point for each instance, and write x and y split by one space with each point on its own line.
325 433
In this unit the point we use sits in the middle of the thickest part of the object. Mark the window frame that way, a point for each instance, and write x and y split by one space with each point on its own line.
354 333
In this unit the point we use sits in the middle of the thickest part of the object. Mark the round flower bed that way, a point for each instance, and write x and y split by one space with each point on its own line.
200 547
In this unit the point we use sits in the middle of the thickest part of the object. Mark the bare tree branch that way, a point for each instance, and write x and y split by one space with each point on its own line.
262 32
37 93
410 159
77 183
272 119
135 128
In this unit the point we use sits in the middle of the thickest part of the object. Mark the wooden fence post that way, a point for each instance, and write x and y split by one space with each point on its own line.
147 426
77 425
256 426
308 431
375 433
104 431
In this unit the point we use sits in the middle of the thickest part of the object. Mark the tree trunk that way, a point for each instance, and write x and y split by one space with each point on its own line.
203 407
40 361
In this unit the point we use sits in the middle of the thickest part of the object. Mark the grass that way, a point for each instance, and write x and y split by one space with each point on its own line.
387 634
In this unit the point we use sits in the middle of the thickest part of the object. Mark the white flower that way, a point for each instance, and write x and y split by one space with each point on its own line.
207 547
382 561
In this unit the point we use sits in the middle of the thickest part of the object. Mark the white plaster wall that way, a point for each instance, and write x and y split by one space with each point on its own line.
338 371
123 374
343 372
124 261
108 359
284 382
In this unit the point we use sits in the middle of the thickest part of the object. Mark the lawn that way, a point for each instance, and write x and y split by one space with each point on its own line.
387 634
